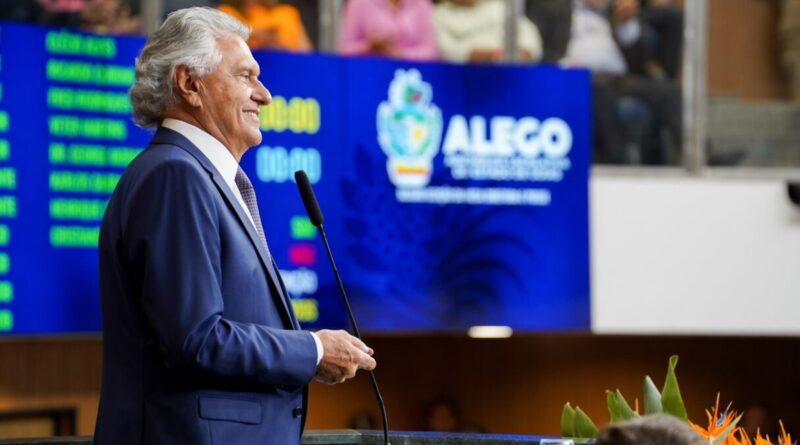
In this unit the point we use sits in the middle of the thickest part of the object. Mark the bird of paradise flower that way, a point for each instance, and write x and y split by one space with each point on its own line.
720 424
722 429
740 438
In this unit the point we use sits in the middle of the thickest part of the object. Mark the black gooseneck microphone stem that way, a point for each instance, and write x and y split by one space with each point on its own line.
339 282
357 333
316 218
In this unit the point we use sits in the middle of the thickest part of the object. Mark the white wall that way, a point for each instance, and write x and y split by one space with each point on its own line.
694 255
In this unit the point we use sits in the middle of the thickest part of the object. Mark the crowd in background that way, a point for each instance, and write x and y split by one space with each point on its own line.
632 47
100 16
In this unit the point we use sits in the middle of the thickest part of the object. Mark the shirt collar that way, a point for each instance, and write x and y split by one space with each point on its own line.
220 157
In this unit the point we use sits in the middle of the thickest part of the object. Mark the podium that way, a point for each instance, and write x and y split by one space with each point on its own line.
358 437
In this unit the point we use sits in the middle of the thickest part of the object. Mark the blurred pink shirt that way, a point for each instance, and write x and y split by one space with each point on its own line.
62 5
409 28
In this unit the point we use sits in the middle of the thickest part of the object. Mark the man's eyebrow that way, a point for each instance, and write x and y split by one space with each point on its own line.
250 69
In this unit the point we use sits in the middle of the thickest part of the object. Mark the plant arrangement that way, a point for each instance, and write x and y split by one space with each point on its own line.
722 426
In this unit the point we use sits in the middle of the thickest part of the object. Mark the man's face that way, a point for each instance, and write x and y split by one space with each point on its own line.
231 96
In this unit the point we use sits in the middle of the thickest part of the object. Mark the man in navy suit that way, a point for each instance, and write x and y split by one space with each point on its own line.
200 343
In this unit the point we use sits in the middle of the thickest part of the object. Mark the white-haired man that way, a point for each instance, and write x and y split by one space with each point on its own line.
200 343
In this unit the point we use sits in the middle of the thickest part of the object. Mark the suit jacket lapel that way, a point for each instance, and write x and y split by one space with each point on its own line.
167 136
294 321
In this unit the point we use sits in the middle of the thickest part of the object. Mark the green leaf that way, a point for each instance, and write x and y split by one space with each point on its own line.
726 432
652 398
618 407
671 399
567 421
584 427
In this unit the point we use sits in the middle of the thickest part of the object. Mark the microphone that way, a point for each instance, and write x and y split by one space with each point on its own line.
315 215
309 198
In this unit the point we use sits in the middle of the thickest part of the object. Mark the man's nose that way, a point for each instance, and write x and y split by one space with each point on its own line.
261 94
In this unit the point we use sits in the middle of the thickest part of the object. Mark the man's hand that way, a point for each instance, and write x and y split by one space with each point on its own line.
344 355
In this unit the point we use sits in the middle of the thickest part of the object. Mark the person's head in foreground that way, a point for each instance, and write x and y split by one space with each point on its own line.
656 429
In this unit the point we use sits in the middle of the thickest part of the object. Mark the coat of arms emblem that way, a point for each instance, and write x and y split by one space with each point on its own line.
409 129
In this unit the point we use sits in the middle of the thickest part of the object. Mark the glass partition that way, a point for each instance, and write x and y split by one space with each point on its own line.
633 49
691 83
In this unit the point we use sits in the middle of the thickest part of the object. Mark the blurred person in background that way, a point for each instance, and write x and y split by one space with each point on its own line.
662 22
20 10
758 418
473 31
362 420
60 12
600 33
442 414
309 11
392 28
553 18
309 14
273 25
637 113
651 33
109 17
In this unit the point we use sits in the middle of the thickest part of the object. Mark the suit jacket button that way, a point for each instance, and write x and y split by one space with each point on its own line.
297 412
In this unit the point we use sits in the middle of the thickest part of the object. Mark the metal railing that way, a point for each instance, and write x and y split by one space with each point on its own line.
695 95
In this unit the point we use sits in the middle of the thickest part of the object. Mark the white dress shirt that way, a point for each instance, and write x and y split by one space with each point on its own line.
227 166
462 29
592 45
220 157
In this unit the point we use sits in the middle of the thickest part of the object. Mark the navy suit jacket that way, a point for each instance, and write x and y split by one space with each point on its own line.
200 345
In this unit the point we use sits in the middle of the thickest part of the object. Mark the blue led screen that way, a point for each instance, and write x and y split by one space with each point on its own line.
454 195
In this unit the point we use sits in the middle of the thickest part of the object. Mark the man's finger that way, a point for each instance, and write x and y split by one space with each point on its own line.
367 362
360 345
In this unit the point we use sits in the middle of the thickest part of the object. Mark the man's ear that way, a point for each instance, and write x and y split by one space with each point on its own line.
187 86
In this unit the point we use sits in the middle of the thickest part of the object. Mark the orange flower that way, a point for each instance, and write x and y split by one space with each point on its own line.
717 423
786 439
762 440
739 437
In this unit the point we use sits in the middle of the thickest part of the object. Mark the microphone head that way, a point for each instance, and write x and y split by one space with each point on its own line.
309 199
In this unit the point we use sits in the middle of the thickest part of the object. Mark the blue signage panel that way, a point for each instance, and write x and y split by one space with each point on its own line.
454 195
66 136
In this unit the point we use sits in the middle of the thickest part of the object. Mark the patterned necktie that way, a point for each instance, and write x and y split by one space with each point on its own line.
249 196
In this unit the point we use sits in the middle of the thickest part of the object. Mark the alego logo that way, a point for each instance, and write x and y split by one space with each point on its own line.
409 129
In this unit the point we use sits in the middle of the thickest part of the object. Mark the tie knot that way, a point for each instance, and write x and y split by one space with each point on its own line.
242 181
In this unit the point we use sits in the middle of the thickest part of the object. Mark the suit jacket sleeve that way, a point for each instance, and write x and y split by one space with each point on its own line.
173 237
